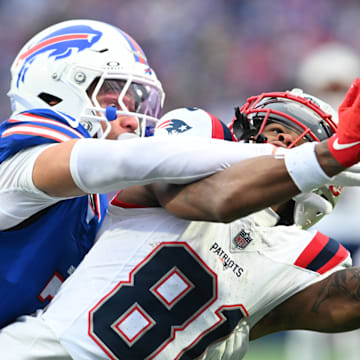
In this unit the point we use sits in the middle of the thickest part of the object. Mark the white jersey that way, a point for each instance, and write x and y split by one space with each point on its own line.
158 287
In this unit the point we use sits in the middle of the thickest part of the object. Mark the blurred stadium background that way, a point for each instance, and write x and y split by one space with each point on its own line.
211 54
207 53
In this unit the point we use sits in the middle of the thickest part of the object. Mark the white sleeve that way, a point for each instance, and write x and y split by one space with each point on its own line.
106 165
19 197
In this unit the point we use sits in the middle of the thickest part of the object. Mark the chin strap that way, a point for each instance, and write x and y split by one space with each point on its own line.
244 130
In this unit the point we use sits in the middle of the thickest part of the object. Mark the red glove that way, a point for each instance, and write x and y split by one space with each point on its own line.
345 144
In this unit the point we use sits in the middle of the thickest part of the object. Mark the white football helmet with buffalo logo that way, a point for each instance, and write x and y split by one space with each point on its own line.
67 65
312 119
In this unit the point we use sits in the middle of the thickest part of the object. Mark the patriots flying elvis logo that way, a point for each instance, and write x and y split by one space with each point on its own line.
59 44
175 126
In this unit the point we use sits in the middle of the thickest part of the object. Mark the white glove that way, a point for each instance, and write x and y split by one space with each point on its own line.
232 348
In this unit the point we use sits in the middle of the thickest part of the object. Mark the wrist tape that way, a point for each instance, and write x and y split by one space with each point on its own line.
304 168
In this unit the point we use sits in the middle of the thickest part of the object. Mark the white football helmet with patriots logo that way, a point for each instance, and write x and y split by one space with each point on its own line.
67 65
192 121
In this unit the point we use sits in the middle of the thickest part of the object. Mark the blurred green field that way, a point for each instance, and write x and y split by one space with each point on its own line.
267 348
272 348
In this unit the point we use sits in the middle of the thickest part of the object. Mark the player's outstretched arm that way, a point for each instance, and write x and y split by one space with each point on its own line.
236 192
331 305
251 185
83 166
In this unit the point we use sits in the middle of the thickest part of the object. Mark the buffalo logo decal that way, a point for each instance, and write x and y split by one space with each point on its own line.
59 44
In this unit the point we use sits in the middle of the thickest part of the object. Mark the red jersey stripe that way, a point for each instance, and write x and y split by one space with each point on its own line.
312 250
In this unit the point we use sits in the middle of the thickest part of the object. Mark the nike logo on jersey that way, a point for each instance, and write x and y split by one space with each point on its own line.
338 146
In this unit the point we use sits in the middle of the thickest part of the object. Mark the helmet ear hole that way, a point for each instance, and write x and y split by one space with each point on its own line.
51 100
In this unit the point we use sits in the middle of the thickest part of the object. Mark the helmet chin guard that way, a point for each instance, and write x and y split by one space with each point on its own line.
312 207
67 65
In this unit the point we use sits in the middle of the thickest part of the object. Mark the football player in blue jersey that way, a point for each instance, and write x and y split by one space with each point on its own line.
75 86
68 82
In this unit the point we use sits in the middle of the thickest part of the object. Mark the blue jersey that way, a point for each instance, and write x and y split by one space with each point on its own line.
38 254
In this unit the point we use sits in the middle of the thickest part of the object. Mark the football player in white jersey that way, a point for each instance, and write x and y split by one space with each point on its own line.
156 286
